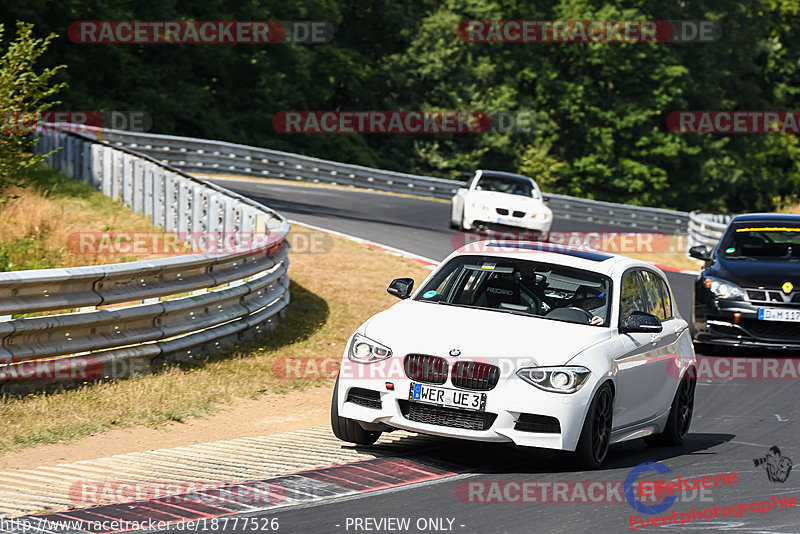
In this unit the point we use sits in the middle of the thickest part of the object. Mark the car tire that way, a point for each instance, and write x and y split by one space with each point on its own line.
680 413
348 429
596 432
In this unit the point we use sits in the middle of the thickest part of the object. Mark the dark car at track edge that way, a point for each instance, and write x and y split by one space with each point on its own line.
748 293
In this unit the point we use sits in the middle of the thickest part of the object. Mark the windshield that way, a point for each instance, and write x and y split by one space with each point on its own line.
507 184
521 287
765 241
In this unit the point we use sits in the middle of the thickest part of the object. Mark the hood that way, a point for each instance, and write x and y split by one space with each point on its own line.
429 328
507 200
745 273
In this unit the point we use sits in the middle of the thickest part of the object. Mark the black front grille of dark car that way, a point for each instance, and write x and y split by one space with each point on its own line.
436 415
763 295
424 368
519 214
779 331
756 295
501 211
528 422
364 397
475 375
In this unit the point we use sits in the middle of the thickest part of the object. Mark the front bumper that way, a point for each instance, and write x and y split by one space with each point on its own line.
714 323
474 217
506 403
511 224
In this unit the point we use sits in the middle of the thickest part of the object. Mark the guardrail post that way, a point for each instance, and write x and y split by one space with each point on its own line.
247 221
229 219
75 166
198 201
147 192
96 165
127 180
159 198
67 163
87 155
117 169
184 208
214 207
170 193
106 178
138 185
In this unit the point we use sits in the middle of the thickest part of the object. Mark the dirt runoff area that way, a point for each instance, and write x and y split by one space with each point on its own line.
265 415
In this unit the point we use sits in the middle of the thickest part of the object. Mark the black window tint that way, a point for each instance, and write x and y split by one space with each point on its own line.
631 299
653 293
667 300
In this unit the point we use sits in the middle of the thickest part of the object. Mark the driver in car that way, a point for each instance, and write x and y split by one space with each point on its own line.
594 304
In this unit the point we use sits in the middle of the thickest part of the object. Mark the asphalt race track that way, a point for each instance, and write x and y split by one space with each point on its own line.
412 224
744 430
735 422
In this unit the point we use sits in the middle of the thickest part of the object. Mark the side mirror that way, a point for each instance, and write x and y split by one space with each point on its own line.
401 287
700 252
640 321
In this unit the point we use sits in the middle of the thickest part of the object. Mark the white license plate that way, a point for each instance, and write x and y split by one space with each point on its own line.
779 314
452 398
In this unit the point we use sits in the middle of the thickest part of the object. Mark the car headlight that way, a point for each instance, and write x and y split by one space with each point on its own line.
723 289
541 216
482 207
365 350
555 379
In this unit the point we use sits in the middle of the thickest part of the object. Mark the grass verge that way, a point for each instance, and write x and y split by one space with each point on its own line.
39 223
326 308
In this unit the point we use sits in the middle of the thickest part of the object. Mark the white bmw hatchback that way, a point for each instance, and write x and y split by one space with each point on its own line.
495 199
531 343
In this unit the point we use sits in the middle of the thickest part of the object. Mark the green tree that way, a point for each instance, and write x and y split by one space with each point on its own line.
24 95
599 109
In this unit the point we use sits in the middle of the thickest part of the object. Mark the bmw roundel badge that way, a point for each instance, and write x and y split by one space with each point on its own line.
455 352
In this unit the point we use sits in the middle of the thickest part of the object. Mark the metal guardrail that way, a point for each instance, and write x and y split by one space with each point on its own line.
707 228
217 157
170 309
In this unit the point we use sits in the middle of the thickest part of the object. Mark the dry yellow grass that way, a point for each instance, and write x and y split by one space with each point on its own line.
40 224
326 308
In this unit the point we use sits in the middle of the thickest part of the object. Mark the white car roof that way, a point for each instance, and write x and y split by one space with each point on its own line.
597 261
